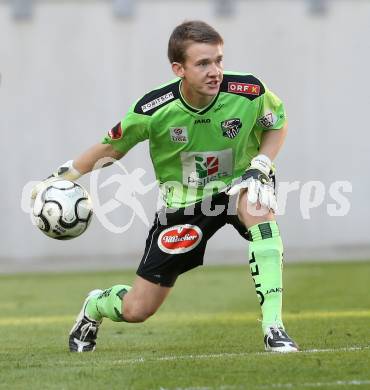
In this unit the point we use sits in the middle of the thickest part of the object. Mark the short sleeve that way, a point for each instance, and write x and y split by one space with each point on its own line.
271 115
132 129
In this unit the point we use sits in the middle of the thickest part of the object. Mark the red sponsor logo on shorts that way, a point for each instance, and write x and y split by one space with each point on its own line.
116 132
245 89
179 239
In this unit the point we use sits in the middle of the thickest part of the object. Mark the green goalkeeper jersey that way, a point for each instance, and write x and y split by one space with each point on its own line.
197 153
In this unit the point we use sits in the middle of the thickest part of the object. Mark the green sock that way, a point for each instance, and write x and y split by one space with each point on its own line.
266 255
107 304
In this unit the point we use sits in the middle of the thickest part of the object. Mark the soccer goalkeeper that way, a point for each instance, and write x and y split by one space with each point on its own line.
212 134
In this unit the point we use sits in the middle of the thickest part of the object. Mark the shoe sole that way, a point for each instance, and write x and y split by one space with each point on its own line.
281 349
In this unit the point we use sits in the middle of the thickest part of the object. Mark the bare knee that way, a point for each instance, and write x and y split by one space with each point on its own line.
143 300
136 312
251 215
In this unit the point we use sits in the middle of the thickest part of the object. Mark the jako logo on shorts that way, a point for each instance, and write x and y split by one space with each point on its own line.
179 239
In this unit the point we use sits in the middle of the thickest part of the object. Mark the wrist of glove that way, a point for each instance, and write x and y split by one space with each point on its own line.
258 182
263 164
65 172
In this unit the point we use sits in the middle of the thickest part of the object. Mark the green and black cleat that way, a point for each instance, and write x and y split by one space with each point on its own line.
82 337
277 340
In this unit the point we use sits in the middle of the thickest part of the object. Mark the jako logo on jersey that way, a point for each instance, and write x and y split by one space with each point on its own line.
157 102
202 121
179 134
116 132
268 120
245 89
231 127
179 239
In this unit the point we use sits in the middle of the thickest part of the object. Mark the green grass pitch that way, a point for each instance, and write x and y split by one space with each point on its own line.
205 337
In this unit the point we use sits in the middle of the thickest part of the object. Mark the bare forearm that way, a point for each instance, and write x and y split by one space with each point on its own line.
272 141
87 160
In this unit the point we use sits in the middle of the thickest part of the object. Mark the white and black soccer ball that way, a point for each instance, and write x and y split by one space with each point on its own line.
63 210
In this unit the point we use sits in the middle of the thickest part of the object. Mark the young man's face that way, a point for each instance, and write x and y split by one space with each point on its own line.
202 71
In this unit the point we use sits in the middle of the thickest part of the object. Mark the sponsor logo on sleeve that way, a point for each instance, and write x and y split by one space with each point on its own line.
231 127
243 88
180 239
157 102
179 134
116 132
268 120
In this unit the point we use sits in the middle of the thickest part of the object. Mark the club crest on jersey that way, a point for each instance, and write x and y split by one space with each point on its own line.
179 134
231 127
116 132
157 102
180 239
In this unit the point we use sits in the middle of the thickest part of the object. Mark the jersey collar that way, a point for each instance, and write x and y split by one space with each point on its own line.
198 111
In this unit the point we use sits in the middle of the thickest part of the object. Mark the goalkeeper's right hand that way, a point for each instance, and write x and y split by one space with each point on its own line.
65 172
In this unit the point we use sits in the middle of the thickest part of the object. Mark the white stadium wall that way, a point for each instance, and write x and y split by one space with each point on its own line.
69 73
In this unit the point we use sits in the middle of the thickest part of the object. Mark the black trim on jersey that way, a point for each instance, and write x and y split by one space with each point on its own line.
157 94
197 111
244 79
174 88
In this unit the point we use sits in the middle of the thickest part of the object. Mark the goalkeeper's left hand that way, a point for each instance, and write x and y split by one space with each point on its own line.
258 182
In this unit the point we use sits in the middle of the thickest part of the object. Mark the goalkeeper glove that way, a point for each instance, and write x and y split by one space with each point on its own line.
258 182
65 172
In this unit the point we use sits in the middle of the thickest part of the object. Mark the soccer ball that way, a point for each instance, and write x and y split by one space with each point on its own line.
63 210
